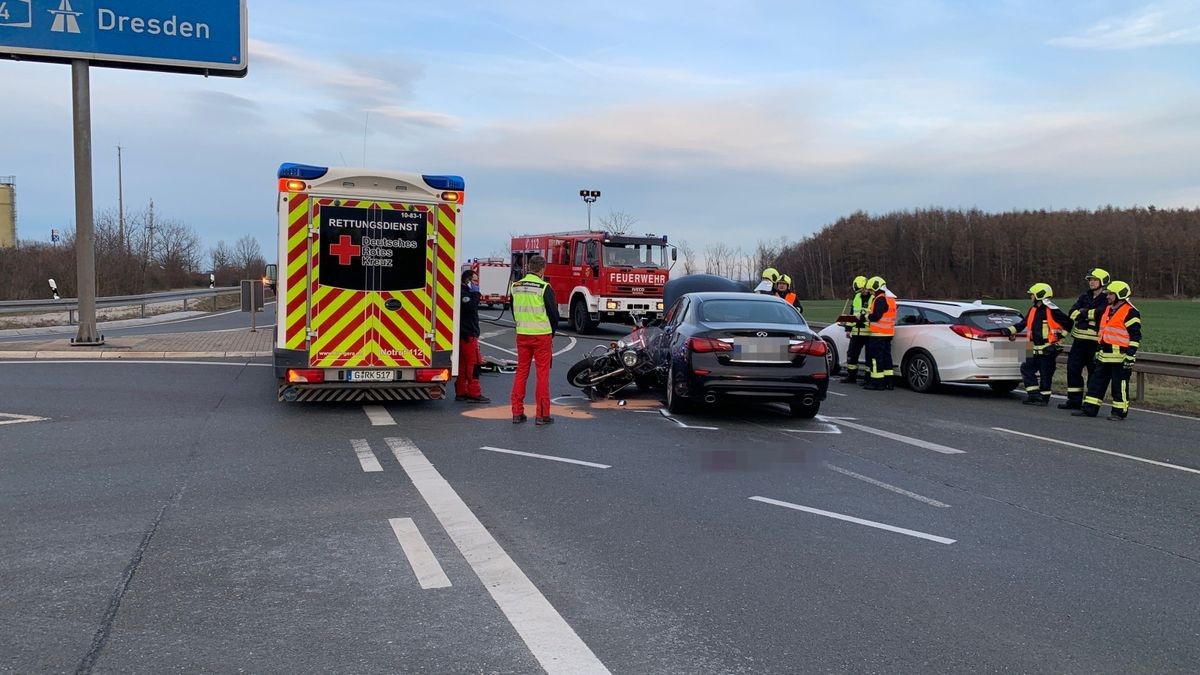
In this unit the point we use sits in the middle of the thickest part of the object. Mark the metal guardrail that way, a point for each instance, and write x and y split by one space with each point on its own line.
1148 363
71 305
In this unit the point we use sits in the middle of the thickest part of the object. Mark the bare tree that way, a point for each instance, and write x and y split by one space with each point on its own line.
717 258
689 256
248 258
617 222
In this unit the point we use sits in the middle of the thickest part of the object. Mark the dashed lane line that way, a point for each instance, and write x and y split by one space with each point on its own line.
1069 444
366 457
945 450
420 557
885 486
13 418
852 519
549 457
379 416
555 645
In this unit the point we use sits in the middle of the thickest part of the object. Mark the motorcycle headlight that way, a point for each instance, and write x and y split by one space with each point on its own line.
629 357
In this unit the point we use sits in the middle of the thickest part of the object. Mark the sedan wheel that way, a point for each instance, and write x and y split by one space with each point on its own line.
675 404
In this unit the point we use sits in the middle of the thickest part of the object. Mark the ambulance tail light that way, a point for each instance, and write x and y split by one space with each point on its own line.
433 375
292 185
305 375
454 196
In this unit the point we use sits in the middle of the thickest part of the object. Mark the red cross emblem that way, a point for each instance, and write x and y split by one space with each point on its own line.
345 250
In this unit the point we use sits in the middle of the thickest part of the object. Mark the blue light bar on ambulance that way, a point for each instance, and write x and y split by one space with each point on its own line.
303 171
445 182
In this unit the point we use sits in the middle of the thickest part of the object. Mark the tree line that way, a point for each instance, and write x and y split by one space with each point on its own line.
969 254
142 255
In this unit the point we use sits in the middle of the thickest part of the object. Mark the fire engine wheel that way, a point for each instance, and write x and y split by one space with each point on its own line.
581 321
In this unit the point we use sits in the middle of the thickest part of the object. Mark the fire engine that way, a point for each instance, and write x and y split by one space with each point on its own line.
598 276
495 277
368 290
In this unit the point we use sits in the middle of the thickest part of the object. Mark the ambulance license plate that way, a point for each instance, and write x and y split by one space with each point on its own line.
371 375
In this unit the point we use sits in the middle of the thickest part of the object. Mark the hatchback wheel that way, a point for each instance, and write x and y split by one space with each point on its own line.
920 372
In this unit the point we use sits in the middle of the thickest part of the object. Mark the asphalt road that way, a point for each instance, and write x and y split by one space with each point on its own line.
168 517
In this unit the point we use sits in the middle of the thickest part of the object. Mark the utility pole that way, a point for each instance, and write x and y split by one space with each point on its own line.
149 244
120 201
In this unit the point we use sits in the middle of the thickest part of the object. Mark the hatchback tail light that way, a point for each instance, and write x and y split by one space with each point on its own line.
702 345
809 348
971 332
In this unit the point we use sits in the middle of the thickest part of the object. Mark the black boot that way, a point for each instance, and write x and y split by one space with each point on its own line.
1071 405
1034 398
850 378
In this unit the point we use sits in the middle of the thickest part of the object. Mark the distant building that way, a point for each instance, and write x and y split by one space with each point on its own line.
8 212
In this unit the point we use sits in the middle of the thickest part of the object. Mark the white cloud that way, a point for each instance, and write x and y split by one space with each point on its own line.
1175 23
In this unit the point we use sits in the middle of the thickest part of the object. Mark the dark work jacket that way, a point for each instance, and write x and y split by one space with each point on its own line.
551 308
1085 315
468 321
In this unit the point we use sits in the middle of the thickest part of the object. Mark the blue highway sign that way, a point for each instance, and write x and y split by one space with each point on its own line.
194 36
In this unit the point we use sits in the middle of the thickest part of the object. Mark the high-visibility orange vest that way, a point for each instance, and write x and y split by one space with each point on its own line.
1112 326
790 298
886 325
1050 327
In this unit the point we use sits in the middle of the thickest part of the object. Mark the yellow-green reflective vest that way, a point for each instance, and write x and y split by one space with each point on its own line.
529 306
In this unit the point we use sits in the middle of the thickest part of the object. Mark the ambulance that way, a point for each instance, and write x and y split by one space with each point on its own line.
367 287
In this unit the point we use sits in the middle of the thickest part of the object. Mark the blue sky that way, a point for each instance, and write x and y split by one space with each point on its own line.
708 121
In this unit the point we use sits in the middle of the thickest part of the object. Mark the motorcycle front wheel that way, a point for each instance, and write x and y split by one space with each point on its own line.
580 375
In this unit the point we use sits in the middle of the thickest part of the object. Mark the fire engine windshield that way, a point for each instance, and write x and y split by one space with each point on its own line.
634 255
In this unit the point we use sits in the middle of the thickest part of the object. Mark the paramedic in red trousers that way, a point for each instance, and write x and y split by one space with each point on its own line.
536 312
466 387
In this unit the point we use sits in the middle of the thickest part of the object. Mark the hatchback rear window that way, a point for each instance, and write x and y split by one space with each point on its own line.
991 319
749 311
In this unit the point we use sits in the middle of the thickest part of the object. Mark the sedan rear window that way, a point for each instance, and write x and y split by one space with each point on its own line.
991 319
748 311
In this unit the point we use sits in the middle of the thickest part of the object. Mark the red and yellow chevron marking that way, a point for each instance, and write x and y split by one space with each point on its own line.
354 329
297 271
447 275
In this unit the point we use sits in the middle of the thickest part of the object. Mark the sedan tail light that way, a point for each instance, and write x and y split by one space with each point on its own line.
809 348
702 345
971 332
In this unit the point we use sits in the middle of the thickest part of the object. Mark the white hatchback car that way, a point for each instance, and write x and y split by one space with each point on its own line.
942 341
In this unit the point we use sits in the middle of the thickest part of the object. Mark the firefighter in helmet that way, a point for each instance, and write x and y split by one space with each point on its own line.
1119 336
1085 315
1046 324
858 330
770 277
882 325
783 290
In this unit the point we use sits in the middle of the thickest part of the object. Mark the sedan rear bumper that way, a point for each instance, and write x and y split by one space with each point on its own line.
706 387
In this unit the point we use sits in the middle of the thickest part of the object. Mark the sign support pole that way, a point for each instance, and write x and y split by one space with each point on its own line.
85 240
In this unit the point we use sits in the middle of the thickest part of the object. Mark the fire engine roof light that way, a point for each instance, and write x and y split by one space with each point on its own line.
305 171
445 182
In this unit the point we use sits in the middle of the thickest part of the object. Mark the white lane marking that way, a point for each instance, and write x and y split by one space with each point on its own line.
40 362
1106 452
420 557
549 638
570 345
492 334
379 416
1152 412
945 450
885 486
365 457
836 393
13 418
826 418
506 351
664 413
824 428
550 457
852 519
558 400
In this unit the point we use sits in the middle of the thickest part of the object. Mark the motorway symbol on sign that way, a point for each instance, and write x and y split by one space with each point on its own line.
175 35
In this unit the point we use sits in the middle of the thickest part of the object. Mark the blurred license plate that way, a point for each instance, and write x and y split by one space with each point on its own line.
1009 351
372 375
761 349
